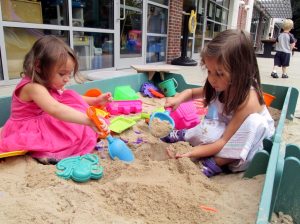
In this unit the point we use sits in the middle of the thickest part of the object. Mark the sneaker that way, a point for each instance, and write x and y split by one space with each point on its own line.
210 168
274 75
174 136
284 76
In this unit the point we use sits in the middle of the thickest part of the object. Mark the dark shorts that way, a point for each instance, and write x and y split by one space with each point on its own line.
282 59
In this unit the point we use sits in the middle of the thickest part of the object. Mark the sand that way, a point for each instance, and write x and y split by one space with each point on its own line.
153 189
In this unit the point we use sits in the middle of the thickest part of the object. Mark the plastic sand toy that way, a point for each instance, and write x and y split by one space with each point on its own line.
185 116
116 147
13 153
124 107
125 93
149 89
80 168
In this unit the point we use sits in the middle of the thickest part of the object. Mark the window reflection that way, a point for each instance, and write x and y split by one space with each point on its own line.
210 10
95 14
189 5
156 48
55 12
163 2
217 18
131 30
157 19
198 38
225 3
189 48
94 50
199 27
22 11
209 29
18 41
218 15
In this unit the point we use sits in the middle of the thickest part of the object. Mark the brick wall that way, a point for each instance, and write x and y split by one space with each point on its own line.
174 30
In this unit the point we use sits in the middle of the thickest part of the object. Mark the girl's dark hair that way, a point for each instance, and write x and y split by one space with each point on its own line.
47 52
233 49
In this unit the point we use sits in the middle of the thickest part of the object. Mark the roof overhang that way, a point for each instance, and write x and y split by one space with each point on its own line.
275 8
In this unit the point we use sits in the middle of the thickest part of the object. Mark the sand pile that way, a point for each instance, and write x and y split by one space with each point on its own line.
153 189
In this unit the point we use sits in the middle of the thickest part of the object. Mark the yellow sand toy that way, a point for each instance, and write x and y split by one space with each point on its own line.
13 153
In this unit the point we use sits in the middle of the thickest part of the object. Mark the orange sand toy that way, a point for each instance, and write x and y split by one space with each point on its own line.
93 92
268 98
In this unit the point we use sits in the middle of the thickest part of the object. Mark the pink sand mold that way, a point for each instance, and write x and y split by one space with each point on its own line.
201 109
124 107
185 116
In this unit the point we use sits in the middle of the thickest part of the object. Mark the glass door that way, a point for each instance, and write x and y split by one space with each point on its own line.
129 44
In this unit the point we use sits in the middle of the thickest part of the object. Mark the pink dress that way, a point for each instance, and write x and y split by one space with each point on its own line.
30 128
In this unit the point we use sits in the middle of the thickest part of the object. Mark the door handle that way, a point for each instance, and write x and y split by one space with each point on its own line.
124 10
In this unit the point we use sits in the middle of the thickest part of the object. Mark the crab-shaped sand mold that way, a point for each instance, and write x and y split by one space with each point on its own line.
80 168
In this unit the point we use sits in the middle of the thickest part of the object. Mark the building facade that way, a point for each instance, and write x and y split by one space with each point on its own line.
114 34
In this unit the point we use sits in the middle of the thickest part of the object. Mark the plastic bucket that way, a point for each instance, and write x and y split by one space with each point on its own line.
93 92
268 98
168 87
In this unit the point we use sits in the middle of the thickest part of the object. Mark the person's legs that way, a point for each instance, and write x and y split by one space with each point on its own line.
284 73
223 161
285 63
277 63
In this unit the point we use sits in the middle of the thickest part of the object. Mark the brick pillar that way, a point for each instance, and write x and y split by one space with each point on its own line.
174 30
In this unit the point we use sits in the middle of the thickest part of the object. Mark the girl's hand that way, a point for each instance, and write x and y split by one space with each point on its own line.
104 126
102 99
171 154
187 155
172 102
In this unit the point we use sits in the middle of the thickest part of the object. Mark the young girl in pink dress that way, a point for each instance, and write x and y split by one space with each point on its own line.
47 120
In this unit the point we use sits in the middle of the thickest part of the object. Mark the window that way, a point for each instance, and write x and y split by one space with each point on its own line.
94 50
88 28
199 27
162 2
157 18
18 42
156 48
217 17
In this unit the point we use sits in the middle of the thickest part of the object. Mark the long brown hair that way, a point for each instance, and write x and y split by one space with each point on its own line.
47 52
233 49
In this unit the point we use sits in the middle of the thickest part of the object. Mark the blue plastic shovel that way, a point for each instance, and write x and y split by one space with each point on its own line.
116 147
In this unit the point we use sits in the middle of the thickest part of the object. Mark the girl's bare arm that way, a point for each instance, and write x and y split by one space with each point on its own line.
40 95
183 96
